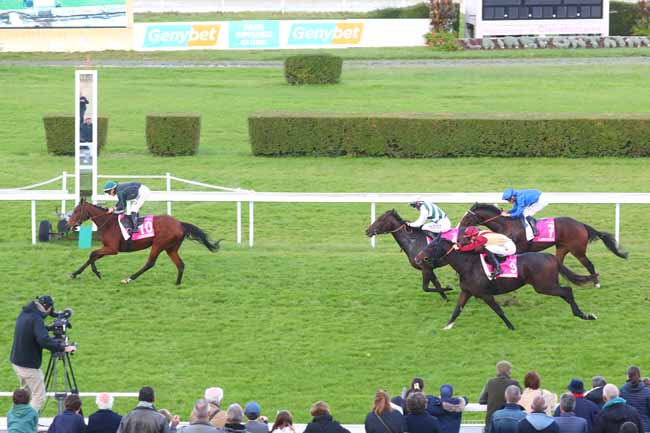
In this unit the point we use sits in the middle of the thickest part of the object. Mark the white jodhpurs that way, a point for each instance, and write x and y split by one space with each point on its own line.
507 249
135 204
442 225
536 207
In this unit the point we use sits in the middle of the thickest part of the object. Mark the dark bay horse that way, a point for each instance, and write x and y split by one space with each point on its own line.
540 270
571 236
411 241
170 234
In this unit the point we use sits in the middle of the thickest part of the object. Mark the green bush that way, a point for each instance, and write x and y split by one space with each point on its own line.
622 18
59 133
313 69
445 41
173 134
449 135
420 10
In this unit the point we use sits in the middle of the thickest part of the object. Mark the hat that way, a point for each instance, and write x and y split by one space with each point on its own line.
446 391
110 185
471 231
46 301
508 194
576 386
252 409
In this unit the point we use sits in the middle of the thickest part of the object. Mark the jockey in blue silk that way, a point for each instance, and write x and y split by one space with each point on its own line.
130 198
432 219
527 202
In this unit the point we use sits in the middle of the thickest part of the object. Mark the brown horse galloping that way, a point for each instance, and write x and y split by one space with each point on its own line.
571 236
170 234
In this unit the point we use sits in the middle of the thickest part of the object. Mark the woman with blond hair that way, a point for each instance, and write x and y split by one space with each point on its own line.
532 389
383 419
323 421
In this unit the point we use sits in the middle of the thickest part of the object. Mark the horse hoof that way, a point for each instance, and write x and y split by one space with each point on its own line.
449 289
449 326
99 275
591 316
597 285
73 276
126 280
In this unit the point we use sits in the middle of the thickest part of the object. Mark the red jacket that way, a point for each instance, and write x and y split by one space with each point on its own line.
476 245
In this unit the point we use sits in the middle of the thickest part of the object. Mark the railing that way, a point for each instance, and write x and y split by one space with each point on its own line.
283 6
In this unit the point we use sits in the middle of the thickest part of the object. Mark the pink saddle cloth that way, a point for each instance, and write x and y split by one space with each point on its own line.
450 235
546 230
145 230
508 267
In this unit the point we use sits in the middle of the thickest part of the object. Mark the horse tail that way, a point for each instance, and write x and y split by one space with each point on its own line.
575 278
607 239
196 234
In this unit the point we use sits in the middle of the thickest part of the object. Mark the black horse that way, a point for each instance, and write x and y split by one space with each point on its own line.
540 270
411 241
571 236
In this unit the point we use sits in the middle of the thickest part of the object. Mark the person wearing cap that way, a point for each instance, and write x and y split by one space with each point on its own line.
256 423
432 219
492 244
30 338
584 408
448 409
527 202
130 198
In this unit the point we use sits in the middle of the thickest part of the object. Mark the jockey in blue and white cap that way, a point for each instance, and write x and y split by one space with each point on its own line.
432 219
527 202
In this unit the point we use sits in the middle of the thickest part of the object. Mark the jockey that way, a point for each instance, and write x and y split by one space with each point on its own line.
432 219
527 203
493 244
130 198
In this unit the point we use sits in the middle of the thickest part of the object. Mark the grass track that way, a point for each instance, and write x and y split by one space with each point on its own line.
312 311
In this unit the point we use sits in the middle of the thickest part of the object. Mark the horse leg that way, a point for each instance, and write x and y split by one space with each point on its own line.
151 261
566 293
94 256
462 300
489 299
582 258
429 275
173 255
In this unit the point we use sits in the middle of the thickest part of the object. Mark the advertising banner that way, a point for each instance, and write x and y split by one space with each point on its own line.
63 13
254 34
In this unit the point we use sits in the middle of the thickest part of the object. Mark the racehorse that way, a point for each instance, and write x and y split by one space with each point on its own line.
169 235
541 270
411 241
571 236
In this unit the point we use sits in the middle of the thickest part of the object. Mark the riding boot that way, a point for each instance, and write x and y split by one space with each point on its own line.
134 222
533 225
432 235
494 261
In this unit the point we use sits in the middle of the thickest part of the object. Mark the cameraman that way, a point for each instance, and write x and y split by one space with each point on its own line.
30 337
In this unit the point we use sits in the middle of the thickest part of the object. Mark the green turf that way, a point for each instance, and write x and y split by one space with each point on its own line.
18 4
312 312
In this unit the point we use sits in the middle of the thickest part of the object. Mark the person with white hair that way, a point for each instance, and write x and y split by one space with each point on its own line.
615 412
201 423
104 420
216 416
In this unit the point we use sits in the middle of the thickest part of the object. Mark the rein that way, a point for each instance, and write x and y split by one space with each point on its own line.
402 227
92 218
485 221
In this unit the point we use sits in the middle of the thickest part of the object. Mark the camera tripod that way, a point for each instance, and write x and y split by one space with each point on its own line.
61 388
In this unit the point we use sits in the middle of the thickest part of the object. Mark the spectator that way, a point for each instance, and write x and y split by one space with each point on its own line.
21 418
418 419
323 421
628 427
216 416
532 389
86 131
537 421
69 421
283 422
417 385
448 409
256 423
595 394
584 408
493 393
383 419
144 418
637 396
615 412
646 382
568 422
201 423
506 420
104 420
234 418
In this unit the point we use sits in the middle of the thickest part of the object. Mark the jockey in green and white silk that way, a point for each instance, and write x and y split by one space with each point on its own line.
432 219
130 198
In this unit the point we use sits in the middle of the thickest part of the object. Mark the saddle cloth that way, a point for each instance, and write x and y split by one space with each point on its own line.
508 267
145 228
449 235
545 228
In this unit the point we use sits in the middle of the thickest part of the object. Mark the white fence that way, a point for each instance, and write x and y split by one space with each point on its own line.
283 6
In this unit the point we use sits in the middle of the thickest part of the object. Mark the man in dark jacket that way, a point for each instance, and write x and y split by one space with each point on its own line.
493 393
448 409
537 421
69 421
322 421
506 420
615 412
30 338
637 396
568 422
595 394
104 420
584 408
145 418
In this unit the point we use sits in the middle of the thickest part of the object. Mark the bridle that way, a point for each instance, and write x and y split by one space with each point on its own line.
85 213
485 221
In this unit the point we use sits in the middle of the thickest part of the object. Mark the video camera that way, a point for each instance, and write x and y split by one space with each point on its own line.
60 324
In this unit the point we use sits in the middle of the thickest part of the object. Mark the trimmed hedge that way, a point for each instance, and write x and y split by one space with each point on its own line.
449 135
173 134
420 10
313 69
622 18
59 133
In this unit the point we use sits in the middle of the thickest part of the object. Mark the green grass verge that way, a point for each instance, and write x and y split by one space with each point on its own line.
312 312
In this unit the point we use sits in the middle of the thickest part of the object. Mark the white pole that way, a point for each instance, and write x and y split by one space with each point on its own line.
283 7
251 222
373 216
169 188
33 222
238 223
342 5
618 222
64 188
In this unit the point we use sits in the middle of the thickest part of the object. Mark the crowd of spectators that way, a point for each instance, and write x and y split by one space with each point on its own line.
510 409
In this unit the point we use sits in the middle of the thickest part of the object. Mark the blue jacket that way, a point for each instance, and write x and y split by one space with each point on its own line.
584 409
68 422
22 418
538 422
103 421
523 199
570 423
423 423
449 412
506 420
638 397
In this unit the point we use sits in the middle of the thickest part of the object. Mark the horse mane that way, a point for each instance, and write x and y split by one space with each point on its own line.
485 206
96 206
396 215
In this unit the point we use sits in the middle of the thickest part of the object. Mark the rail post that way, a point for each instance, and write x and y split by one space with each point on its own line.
168 181
239 223
373 217
617 219
251 223
33 222
64 188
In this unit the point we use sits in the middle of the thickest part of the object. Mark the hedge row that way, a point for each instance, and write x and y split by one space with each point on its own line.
313 69
59 133
449 135
170 134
